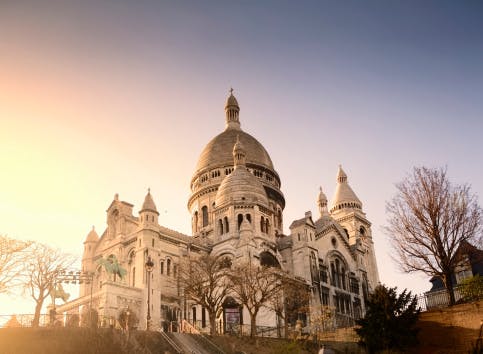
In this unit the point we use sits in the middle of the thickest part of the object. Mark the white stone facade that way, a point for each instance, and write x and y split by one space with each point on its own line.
237 210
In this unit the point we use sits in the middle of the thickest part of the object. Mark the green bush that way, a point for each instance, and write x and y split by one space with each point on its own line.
390 320
472 288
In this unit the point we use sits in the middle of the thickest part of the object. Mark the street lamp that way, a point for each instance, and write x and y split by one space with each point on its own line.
149 268
128 313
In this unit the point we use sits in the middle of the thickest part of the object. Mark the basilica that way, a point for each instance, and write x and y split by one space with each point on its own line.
236 206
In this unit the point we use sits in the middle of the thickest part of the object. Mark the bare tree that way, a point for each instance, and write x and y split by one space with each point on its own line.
321 319
12 257
293 299
204 281
428 219
254 286
41 269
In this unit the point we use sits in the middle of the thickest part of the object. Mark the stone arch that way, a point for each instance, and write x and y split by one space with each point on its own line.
232 315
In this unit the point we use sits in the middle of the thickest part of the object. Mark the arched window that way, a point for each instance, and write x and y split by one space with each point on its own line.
168 267
249 218
195 221
225 262
333 274
362 231
346 233
204 212
279 219
220 226
267 226
342 277
227 228
313 267
133 276
262 224
161 267
240 220
268 260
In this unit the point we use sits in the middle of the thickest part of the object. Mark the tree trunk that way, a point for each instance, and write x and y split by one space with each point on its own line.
253 324
285 318
212 322
448 282
38 307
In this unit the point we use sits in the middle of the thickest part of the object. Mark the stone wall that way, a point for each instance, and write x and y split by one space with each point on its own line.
450 329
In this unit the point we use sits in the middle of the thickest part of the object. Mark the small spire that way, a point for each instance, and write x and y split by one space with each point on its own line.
322 203
116 196
239 154
341 175
232 111
149 203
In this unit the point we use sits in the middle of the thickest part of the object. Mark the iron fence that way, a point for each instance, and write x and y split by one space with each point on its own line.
45 320
59 320
245 330
438 299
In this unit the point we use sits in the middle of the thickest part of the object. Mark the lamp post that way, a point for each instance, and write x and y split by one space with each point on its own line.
128 313
149 268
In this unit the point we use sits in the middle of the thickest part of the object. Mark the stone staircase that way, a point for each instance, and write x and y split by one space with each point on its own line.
191 341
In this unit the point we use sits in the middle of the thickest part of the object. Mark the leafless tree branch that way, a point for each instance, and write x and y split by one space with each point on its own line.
428 220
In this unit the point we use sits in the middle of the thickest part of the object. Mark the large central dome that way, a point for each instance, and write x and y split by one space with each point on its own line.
216 170
218 151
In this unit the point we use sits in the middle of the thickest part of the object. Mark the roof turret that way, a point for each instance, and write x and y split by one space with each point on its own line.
322 203
148 204
92 236
344 196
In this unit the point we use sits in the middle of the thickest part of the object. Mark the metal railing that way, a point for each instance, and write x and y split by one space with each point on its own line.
23 320
56 320
438 299
171 342
45 320
245 330
217 349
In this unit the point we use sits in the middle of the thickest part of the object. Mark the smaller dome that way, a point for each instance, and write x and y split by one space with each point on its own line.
92 236
148 204
241 185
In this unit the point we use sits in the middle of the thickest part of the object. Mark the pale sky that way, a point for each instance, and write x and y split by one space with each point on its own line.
105 97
